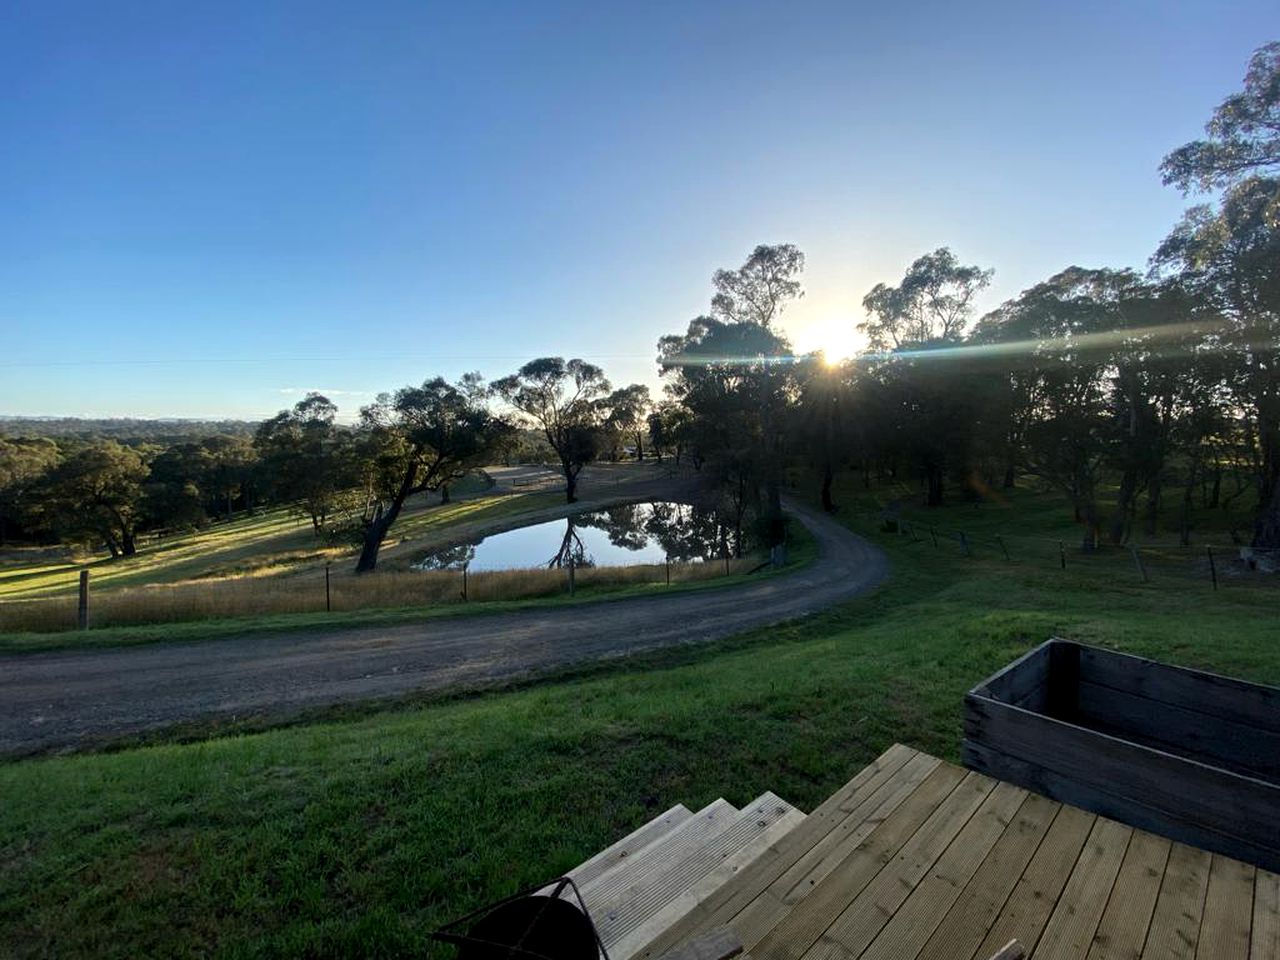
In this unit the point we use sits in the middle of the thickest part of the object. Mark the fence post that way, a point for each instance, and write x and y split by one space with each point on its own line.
464 581
964 544
1062 554
328 605
82 612
1137 560
1003 548
668 571
571 576
1213 567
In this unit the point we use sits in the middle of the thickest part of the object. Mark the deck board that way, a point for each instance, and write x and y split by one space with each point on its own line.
969 921
916 859
1127 919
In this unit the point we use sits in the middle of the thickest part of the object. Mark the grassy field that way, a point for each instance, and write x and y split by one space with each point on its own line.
272 543
358 833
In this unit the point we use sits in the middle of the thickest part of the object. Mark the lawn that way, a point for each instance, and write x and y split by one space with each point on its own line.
358 833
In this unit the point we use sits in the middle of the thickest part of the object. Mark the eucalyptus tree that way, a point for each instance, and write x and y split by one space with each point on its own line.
23 461
1046 337
735 380
419 439
823 419
1228 254
933 302
307 458
734 374
95 493
628 414
566 401
913 330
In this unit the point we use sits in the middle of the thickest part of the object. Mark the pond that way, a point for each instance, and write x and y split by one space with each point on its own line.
635 533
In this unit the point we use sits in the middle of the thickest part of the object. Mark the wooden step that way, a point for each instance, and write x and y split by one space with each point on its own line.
685 862
708 822
630 845
635 942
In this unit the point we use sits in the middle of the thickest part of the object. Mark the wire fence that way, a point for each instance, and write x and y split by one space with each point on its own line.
326 590
1218 565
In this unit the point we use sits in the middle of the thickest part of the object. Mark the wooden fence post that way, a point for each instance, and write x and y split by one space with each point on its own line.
82 612
464 581
571 584
1213 568
668 571
328 604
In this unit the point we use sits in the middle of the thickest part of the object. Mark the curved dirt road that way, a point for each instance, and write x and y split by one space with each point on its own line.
69 698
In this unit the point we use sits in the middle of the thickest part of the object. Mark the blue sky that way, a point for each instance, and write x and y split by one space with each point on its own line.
208 208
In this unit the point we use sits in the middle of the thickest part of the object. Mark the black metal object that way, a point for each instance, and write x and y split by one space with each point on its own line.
528 926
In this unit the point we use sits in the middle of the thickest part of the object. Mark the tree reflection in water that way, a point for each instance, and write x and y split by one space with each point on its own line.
683 532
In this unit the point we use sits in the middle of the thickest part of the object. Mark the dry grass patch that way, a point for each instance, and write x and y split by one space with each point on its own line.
258 595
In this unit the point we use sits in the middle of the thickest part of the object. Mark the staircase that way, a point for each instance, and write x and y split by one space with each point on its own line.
652 877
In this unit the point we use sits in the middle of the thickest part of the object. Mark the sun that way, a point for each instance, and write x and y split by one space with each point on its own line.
839 340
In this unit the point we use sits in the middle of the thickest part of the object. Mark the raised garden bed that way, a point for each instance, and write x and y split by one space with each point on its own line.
1186 754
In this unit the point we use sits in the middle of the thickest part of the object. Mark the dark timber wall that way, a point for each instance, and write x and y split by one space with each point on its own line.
1186 754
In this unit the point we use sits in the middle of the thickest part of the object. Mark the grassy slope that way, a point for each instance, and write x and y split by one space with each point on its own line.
358 834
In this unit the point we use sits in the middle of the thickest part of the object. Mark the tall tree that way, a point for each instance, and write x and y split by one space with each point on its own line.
23 461
753 368
1228 254
629 413
96 493
307 457
759 290
912 326
736 381
423 438
564 399
933 302
1056 334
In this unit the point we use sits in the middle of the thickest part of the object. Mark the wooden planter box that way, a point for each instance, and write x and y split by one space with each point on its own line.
1186 754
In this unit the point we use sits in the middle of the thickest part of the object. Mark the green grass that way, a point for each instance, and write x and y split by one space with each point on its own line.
358 833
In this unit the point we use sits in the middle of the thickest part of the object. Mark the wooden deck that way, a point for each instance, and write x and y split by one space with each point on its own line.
917 859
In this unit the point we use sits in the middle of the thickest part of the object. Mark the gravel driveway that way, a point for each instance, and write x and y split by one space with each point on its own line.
68 698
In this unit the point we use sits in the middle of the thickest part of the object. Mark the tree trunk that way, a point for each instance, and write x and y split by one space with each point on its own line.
1266 529
444 494
228 504
1155 488
570 485
1089 513
1187 499
1010 474
128 545
376 531
639 447
827 503
1124 506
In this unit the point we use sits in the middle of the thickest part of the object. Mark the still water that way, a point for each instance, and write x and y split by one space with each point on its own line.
620 536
